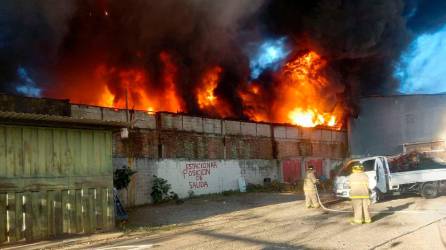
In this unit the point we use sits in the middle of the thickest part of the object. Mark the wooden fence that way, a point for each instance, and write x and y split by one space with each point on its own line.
54 181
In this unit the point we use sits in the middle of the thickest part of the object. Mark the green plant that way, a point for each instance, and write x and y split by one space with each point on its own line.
122 177
161 191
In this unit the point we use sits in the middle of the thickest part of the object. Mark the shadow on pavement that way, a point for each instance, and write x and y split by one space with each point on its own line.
204 207
265 244
390 211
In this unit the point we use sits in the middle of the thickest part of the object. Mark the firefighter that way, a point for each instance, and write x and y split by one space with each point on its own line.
359 194
310 189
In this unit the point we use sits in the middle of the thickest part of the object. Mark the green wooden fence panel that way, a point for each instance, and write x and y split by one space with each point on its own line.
54 181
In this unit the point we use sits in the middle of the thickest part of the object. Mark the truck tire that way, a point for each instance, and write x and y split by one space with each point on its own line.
376 196
429 190
379 196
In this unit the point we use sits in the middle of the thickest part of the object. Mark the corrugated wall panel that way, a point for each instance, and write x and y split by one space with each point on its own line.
30 138
89 146
58 151
2 152
46 152
14 152
84 152
74 137
46 159
108 154
98 144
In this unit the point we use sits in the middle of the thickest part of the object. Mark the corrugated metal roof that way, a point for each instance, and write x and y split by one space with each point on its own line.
6 115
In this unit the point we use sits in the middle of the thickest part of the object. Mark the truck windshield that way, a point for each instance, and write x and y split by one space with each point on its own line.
369 165
347 169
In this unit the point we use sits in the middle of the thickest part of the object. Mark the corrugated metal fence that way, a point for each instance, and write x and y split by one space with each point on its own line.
54 181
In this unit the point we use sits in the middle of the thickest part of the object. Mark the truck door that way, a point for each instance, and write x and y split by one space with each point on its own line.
385 164
381 176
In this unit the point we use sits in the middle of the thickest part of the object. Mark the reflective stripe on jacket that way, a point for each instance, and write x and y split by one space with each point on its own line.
310 181
359 186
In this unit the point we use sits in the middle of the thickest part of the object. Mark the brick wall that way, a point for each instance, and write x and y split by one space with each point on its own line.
188 145
162 144
248 148
140 143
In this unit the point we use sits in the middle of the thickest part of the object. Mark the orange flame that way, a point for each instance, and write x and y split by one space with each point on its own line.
310 118
254 106
205 93
169 100
133 86
300 96
299 89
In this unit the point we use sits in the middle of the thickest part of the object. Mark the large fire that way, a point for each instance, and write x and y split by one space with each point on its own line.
206 98
110 86
302 87
298 92
299 96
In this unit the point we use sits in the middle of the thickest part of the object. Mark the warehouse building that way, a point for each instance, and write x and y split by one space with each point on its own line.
57 160
389 125
175 146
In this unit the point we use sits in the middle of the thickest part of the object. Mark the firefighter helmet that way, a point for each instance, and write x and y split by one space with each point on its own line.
358 167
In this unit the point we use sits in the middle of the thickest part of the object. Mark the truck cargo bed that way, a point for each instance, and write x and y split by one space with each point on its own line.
409 177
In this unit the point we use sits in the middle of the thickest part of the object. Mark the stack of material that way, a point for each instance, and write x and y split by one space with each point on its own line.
414 161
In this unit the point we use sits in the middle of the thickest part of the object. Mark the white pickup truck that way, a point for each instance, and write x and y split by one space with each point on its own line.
428 181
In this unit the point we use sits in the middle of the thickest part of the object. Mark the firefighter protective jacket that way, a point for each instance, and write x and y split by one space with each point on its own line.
359 186
310 182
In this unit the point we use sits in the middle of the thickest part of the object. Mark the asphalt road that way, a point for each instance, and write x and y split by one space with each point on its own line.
277 221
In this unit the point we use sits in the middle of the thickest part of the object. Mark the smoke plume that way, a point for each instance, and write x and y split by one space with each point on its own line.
166 48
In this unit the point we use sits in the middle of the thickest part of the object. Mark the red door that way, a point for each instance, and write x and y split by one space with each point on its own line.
317 164
291 170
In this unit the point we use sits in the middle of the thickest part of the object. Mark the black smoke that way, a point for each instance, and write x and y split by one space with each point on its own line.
58 42
361 39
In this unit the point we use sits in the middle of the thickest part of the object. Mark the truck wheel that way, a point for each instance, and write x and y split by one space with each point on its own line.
379 196
429 190
376 196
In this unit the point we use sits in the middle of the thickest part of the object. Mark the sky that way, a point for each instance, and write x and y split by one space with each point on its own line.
422 67
269 55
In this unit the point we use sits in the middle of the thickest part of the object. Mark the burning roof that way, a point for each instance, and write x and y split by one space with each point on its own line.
299 62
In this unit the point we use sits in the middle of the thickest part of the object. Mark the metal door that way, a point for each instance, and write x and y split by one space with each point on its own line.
317 164
291 170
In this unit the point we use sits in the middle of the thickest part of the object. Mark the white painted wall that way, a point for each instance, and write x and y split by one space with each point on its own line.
202 176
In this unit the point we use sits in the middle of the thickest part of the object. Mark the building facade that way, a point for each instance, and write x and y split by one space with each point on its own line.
389 125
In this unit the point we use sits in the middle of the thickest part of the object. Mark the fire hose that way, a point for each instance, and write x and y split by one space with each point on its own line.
442 211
